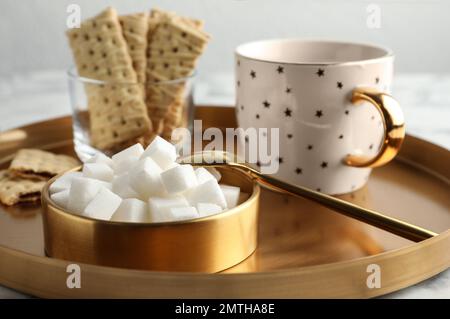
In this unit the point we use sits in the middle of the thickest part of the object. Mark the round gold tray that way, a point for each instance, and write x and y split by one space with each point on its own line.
304 250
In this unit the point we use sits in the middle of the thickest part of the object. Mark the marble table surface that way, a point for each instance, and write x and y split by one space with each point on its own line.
425 98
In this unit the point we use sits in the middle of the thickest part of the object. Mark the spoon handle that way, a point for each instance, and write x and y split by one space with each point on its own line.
371 217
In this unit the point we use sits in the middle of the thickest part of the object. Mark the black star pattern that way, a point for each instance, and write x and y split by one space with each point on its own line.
341 136
258 163
280 69
320 72
310 147
280 160
239 62
257 116
242 107
377 80
340 85
253 74
288 112
266 104
324 165
347 112
370 146
298 170
246 139
238 83
288 90
319 113
289 136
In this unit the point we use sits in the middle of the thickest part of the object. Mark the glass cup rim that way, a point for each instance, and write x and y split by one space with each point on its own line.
72 74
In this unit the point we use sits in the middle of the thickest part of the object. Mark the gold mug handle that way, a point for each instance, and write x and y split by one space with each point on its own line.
393 122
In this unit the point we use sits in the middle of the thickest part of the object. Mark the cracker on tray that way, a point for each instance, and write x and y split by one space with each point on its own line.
38 164
117 110
15 190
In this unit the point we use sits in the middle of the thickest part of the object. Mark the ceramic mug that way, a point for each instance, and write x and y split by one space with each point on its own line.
331 103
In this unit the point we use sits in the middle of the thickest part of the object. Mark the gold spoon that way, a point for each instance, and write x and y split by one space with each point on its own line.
371 217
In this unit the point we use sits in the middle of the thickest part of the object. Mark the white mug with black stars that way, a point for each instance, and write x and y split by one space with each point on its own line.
305 88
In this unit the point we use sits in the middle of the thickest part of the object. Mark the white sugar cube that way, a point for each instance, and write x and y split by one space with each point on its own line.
172 165
159 207
61 198
208 192
207 209
135 151
145 178
125 165
162 152
106 185
100 158
99 171
203 175
215 173
231 194
82 191
179 179
103 205
182 213
63 182
121 186
132 210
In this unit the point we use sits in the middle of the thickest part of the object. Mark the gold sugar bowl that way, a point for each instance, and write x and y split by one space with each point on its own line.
209 244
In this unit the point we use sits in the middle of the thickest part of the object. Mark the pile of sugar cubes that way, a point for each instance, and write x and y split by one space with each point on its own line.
137 185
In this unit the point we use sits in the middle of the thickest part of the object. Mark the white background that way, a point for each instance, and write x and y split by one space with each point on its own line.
32 31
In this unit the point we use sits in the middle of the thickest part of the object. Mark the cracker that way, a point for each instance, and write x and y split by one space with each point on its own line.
175 44
14 190
38 164
153 21
174 49
161 96
157 14
173 67
134 30
173 118
144 140
117 109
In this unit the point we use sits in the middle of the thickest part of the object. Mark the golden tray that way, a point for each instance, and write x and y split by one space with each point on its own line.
304 250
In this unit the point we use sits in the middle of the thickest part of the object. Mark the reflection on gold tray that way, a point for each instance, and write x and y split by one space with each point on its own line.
304 250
